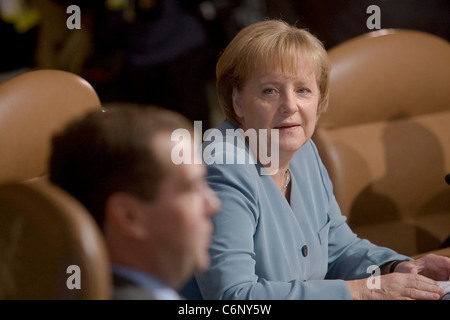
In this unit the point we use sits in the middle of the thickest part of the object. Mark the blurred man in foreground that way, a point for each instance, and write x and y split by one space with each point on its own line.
155 215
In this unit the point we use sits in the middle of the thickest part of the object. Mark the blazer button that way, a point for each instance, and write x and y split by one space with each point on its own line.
305 250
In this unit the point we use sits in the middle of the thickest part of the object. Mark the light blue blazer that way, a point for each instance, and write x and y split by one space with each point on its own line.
265 248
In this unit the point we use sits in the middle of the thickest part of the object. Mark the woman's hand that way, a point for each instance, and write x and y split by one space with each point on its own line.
396 286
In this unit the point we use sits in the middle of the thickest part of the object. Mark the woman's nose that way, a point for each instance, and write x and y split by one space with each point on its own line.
288 103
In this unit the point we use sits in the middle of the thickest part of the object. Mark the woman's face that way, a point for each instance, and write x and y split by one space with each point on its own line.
275 100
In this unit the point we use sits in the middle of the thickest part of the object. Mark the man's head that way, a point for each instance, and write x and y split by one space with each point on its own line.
155 215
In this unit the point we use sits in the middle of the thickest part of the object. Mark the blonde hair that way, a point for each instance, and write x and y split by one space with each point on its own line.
255 46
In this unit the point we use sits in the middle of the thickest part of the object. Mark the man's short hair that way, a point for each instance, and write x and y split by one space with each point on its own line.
112 151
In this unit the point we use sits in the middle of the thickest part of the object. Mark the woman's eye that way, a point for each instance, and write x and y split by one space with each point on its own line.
269 91
304 90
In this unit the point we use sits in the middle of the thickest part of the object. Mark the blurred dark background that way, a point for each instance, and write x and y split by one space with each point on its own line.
164 52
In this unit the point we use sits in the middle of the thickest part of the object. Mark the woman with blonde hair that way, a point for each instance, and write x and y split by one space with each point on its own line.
280 233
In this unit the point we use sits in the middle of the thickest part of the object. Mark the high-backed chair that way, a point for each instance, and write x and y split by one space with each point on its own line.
33 106
50 246
385 138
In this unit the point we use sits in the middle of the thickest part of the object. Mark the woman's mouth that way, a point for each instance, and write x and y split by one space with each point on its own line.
287 127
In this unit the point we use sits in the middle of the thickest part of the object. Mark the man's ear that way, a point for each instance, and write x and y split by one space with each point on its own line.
126 214
237 103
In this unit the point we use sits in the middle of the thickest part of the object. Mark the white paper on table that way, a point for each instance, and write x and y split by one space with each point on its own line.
445 285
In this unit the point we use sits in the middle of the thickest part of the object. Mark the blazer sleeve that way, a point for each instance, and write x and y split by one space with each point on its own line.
349 256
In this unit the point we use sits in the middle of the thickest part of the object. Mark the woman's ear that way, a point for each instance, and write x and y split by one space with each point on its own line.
126 214
237 103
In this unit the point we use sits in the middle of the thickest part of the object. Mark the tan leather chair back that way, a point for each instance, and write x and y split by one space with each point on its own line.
385 139
33 106
50 246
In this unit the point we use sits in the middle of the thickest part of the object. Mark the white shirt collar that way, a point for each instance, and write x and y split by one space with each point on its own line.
159 289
